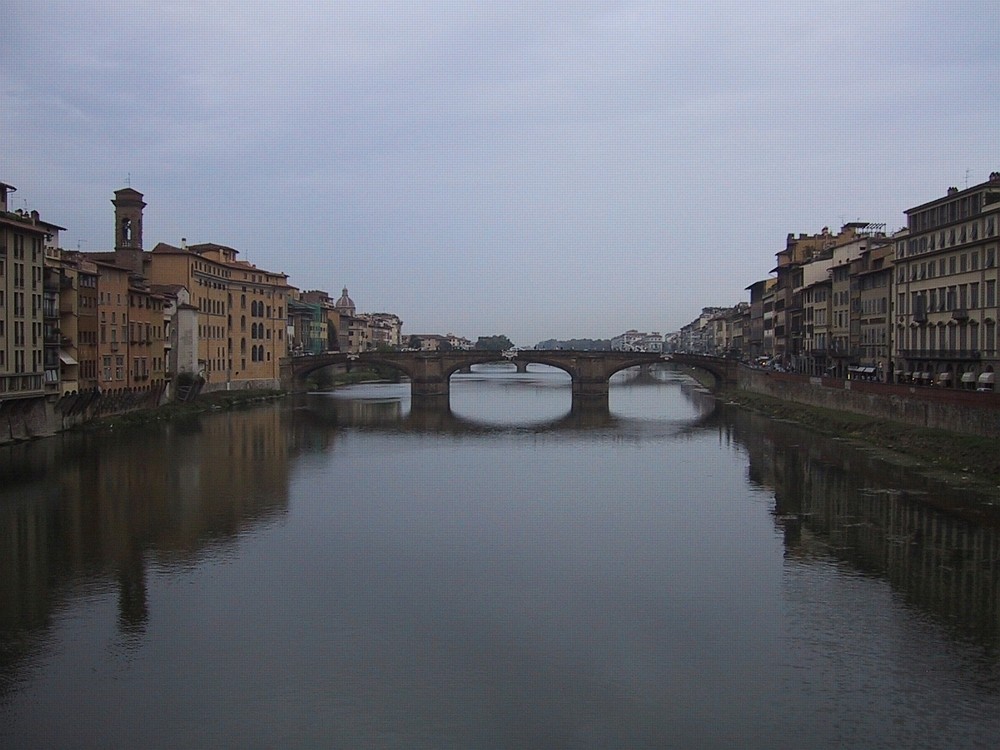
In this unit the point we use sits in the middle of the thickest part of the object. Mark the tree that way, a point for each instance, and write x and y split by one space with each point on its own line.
494 343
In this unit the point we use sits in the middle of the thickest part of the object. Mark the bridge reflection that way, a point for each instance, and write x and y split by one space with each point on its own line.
366 409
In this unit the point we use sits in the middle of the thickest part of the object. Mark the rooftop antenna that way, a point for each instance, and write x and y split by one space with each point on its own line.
128 179
966 177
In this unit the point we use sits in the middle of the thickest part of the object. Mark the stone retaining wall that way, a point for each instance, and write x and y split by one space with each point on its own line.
965 412
42 416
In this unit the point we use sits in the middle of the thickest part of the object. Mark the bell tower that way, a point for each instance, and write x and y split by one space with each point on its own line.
128 205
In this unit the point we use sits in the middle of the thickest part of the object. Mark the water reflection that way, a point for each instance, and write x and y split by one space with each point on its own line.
519 567
495 398
938 546
87 513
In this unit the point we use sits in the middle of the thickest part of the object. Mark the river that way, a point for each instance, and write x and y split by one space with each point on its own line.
337 570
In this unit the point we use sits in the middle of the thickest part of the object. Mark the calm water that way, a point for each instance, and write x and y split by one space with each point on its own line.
340 572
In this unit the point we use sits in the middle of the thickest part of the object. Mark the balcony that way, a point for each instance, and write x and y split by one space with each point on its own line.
960 314
952 355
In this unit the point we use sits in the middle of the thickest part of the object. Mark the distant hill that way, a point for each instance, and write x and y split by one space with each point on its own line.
580 345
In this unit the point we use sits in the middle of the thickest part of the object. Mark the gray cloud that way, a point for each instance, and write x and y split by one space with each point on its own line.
537 169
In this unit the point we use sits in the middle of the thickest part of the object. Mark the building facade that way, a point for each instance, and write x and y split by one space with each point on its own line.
946 306
22 313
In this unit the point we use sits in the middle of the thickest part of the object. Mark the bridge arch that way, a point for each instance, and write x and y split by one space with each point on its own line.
304 366
722 370
626 365
524 357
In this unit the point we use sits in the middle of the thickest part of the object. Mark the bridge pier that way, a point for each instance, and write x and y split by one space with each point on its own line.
429 385
590 393
521 366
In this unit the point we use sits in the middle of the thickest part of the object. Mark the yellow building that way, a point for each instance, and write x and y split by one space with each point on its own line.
242 311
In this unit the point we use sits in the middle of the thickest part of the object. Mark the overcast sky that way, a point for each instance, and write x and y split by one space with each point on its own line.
556 169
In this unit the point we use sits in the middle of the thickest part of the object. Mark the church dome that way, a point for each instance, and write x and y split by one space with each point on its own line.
345 303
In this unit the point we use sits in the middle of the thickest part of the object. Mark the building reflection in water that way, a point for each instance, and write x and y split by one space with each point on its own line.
89 512
935 544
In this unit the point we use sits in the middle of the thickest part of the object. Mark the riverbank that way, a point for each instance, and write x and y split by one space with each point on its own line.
212 401
204 403
957 459
966 460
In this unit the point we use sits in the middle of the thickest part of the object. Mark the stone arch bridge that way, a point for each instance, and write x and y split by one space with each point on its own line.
430 372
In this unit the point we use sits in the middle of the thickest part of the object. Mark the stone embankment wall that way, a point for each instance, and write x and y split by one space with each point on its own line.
262 384
40 417
964 412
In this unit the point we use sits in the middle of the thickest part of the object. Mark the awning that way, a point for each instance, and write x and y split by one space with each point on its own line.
66 358
925 376
987 377
944 377
968 377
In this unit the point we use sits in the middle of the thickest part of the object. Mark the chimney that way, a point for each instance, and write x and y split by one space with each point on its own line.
4 189
952 190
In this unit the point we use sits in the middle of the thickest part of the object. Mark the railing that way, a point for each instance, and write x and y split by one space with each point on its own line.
971 355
